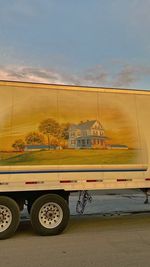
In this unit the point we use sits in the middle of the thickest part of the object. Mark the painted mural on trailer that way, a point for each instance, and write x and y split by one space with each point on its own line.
48 127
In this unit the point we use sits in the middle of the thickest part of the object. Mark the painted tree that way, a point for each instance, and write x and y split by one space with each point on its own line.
34 138
65 130
64 135
50 128
19 145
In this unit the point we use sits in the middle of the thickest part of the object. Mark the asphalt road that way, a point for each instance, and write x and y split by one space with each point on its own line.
91 240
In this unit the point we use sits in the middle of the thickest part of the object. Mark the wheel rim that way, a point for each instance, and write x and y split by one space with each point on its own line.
50 215
5 218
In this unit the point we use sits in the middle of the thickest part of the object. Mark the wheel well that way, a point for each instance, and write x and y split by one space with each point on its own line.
31 196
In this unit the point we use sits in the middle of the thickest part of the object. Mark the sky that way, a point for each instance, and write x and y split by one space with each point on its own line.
95 43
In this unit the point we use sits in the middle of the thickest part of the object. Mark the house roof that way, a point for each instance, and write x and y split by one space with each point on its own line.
84 125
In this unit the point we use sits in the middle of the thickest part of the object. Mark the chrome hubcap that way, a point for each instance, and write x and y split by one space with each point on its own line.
50 215
5 218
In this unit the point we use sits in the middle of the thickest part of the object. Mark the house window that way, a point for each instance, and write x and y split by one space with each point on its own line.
88 141
72 134
84 133
83 142
78 133
79 142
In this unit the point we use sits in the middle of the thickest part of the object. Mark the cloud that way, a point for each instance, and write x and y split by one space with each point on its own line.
130 74
96 75
40 75
126 75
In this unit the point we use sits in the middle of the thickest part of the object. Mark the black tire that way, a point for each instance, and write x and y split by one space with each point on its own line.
9 217
49 215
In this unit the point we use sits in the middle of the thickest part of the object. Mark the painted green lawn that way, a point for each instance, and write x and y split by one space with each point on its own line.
70 157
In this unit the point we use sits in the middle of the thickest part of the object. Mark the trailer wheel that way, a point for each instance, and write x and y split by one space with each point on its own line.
49 215
9 217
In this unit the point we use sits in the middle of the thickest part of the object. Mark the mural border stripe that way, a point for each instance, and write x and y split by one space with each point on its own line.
73 170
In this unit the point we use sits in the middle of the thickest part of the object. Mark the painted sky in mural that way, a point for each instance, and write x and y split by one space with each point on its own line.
23 110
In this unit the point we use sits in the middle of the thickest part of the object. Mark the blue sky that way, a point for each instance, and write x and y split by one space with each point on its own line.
98 42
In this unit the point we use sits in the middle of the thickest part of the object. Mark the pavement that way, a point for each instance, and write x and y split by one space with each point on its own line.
108 203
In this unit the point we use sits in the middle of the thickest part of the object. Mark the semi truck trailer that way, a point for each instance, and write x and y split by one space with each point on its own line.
58 139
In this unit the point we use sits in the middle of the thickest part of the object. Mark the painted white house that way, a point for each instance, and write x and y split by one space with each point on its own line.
88 134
